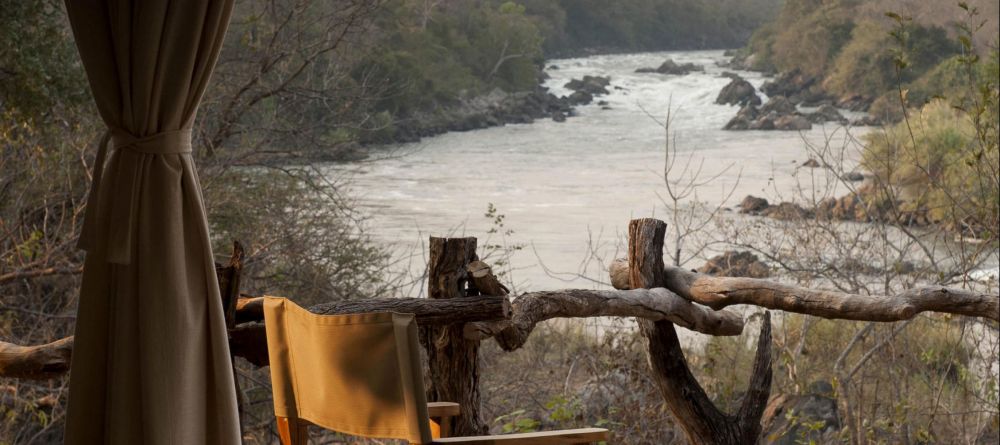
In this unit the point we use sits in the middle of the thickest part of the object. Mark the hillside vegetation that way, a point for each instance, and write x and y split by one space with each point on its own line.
849 47
429 55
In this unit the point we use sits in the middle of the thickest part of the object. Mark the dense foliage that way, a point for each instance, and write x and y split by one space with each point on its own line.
944 160
850 46
431 53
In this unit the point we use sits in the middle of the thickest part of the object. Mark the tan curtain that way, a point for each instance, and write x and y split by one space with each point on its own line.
151 360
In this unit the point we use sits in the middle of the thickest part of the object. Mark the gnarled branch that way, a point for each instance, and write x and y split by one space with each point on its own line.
651 304
719 292
249 340
691 406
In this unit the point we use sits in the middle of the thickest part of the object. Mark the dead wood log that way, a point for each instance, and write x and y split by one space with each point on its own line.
651 304
483 281
701 421
249 340
453 361
427 311
36 362
719 292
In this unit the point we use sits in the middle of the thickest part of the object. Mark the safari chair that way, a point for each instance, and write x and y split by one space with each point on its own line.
360 374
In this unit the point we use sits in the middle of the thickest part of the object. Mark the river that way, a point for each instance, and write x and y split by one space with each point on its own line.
568 189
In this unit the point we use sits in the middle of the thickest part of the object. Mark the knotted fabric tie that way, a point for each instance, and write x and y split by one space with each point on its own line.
113 202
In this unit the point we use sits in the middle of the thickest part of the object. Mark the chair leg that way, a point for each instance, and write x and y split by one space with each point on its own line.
292 431
441 427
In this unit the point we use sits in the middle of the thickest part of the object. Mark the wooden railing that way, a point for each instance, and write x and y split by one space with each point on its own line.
467 305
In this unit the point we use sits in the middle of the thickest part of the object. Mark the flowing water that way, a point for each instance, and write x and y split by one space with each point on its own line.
568 190
561 185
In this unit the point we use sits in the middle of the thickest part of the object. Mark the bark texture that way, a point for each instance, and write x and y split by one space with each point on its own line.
36 362
483 282
701 421
453 361
719 292
249 339
650 304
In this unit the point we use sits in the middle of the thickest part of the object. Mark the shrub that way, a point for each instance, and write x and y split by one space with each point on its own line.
934 163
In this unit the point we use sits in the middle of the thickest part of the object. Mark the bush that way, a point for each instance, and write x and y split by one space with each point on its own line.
936 165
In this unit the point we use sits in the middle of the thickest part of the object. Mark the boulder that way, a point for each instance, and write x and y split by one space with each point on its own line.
580 98
593 85
738 123
809 418
811 163
778 104
736 264
753 205
744 118
763 123
827 113
792 122
559 116
749 112
738 92
671 67
795 85
787 211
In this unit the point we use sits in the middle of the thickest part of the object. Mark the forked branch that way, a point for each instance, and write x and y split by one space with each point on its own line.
701 421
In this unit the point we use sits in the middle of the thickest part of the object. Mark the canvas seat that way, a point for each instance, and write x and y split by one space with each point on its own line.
360 374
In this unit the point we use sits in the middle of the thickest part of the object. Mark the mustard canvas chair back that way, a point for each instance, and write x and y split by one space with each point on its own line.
357 374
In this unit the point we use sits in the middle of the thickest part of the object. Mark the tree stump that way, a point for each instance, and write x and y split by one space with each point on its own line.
453 360
701 421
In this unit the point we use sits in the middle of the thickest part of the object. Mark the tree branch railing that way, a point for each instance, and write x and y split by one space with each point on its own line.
720 292
474 306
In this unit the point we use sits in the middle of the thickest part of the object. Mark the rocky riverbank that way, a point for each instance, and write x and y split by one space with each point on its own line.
791 90
865 204
781 112
499 107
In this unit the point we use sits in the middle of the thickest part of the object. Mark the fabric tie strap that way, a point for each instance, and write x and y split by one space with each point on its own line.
112 209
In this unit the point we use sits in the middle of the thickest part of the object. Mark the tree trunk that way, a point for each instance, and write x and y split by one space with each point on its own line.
453 361
701 421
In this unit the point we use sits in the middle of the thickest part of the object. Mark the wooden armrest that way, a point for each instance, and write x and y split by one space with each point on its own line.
443 409
563 437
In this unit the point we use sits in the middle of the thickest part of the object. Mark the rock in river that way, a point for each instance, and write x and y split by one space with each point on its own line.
736 264
671 67
593 85
792 122
738 92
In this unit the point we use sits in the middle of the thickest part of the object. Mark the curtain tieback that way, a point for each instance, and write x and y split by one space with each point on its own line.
112 208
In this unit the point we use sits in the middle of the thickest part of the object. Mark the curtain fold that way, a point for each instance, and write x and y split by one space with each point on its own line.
151 358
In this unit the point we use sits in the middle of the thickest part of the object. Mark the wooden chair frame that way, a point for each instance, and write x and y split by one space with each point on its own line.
296 431
395 336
